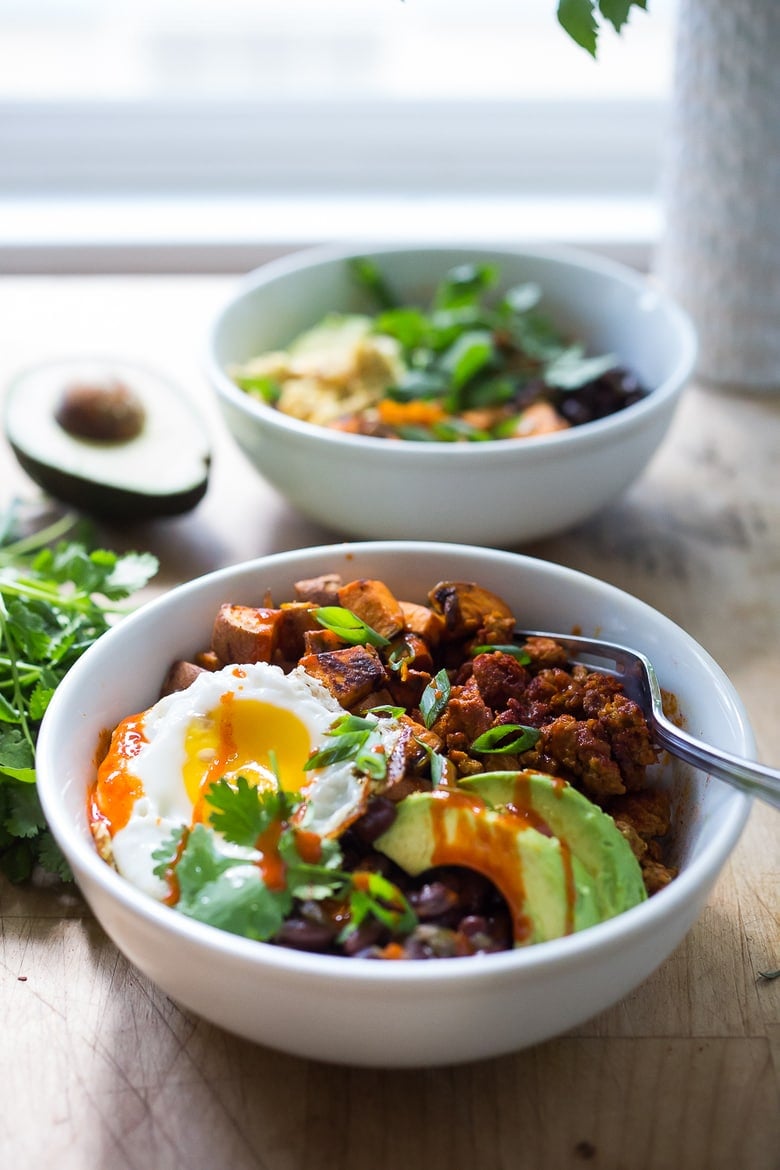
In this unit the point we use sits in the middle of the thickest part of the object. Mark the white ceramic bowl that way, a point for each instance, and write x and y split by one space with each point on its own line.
492 493
364 1011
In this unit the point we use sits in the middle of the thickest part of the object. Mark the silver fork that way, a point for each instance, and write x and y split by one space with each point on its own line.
640 682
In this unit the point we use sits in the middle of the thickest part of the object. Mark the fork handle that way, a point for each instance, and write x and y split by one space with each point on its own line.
749 777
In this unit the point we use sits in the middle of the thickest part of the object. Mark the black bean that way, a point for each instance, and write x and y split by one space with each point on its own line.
491 933
302 935
433 900
365 936
376 820
431 942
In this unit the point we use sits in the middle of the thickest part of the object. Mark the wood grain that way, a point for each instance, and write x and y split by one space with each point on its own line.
99 1069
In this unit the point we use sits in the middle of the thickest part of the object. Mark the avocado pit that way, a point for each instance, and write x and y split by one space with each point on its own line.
105 411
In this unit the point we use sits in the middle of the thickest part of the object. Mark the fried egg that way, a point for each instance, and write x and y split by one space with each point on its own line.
253 721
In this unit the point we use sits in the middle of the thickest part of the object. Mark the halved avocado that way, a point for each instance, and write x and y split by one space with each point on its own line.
547 890
114 439
559 861
591 834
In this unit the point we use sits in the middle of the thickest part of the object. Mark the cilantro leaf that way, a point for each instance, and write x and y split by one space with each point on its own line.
238 900
24 815
243 813
50 857
17 759
199 863
167 854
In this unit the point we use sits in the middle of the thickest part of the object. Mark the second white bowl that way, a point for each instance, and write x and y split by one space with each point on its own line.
499 492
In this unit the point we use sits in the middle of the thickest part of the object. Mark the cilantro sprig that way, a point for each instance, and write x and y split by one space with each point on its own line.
57 596
219 874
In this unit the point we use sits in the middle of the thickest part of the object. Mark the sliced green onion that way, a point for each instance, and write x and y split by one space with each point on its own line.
509 737
435 698
387 709
518 652
348 626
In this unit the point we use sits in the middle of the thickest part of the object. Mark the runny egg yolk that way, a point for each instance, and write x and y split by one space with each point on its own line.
245 737
238 737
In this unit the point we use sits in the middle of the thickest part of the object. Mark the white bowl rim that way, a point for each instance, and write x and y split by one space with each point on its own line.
536 446
610 935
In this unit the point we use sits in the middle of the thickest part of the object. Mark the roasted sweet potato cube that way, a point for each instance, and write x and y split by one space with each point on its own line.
407 687
349 674
296 620
207 659
374 604
243 633
322 590
467 608
380 698
319 641
420 620
179 677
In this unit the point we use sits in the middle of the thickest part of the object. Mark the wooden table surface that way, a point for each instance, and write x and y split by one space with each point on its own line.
99 1069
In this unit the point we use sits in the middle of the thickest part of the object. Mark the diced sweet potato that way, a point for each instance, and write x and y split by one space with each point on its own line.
420 620
322 590
243 633
410 650
374 604
179 677
349 674
319 641
407 687
380 698
296 620
208 660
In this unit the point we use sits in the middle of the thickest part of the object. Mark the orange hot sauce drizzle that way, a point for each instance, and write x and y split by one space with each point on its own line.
474 845
309 846
520 805
171 876
116 790
226 753
270 863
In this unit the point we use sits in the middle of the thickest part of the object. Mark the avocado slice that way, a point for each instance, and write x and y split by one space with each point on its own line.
337 333
590 834
547 889
114 439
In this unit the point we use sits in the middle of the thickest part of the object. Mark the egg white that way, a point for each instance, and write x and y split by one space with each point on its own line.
335 795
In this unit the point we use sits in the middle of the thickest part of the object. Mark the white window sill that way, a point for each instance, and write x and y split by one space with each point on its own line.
223 234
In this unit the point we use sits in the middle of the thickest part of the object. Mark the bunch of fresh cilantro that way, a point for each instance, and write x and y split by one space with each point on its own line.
581 18
57 596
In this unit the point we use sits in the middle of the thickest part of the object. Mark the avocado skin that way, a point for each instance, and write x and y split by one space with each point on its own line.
104 501
591 834
549 894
